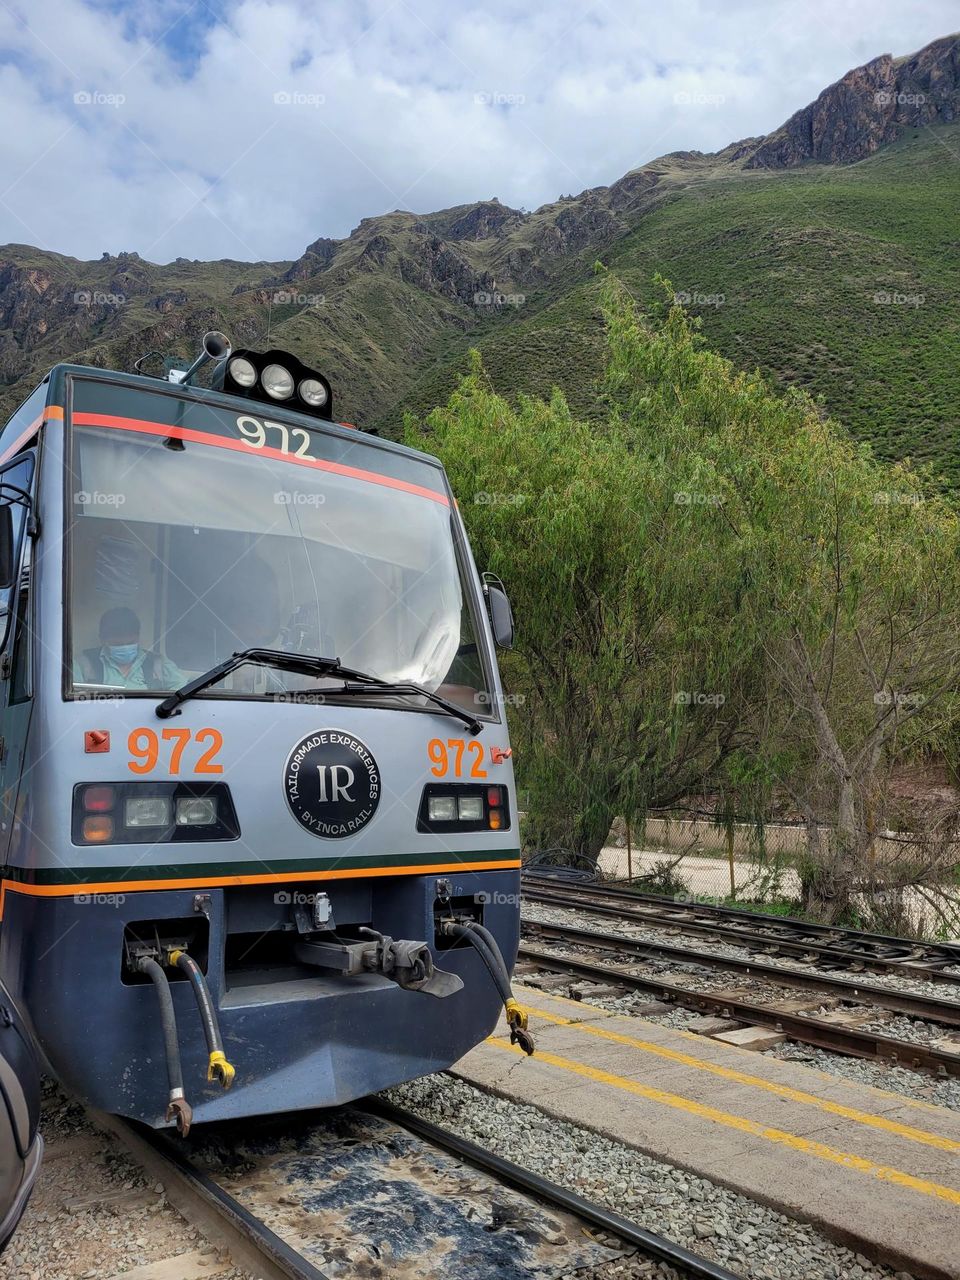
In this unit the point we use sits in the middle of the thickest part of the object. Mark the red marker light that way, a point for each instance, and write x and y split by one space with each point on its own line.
98 799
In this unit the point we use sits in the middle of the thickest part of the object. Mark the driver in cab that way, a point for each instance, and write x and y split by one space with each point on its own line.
120 662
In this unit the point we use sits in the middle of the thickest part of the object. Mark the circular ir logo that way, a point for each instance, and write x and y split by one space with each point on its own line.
332 784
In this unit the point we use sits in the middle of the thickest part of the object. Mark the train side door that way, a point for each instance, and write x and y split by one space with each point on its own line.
16 640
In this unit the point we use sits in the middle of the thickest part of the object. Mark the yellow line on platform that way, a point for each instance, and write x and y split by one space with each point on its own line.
758 1082
901 1099
779 1137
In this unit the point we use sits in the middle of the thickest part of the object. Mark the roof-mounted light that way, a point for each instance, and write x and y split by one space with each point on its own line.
276 377
243 372
313 392
277 382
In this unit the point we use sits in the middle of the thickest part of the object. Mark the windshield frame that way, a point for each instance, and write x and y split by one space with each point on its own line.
489 712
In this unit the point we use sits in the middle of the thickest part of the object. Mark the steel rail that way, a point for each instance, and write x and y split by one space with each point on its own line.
272 1247
534 1184
291 1263
948 952
914 1006
815 1031
663 915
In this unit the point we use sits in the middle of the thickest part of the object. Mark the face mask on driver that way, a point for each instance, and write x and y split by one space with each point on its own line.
123 654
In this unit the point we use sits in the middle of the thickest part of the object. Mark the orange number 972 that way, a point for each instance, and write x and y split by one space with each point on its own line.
448 757
144 747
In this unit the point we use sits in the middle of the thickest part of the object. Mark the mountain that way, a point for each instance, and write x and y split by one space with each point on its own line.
827 253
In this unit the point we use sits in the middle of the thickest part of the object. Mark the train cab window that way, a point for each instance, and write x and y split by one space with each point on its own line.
21 674
204 551
15 480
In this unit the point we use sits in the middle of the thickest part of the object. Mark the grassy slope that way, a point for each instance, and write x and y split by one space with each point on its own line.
798 257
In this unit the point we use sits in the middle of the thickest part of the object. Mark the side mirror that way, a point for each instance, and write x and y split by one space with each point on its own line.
7 547
500 613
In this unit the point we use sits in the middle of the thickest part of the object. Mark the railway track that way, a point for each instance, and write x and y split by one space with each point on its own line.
911 1004
805 1029
821 945
327 1196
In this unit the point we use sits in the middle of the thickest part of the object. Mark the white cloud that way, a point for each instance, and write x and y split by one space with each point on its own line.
249 134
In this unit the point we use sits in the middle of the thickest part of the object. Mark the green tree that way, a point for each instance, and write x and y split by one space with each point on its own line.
842 576
714 589
614 715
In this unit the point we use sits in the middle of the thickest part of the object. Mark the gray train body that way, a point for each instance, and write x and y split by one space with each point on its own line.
273 817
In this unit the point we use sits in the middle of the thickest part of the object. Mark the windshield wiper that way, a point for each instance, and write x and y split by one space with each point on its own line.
305 664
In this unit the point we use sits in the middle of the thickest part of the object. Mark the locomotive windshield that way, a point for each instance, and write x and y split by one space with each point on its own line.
208 532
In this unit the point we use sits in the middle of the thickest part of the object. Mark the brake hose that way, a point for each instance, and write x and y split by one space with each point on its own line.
218 1068
485 945
178 1108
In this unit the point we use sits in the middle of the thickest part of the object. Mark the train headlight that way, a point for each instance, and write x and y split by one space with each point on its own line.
442 809
459 807
196 811
146 811
470 808
313 392
242 372
277 382
152 812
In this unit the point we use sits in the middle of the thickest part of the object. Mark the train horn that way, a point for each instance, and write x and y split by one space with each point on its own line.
215 346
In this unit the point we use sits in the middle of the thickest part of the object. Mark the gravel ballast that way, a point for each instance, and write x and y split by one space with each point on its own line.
715 1223
94 1214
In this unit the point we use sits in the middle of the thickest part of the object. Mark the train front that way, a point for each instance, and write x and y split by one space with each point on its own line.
265 853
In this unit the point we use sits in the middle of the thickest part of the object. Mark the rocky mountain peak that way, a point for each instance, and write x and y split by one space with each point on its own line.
867 108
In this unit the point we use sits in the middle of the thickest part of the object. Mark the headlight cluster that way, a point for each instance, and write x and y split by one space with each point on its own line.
155 813
447 808
278 377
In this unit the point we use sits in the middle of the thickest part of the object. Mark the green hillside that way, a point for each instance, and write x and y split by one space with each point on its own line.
799 258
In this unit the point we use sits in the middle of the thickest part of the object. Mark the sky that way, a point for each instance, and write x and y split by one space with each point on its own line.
246 130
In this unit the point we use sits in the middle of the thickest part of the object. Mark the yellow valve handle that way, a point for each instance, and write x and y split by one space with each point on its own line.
218 1068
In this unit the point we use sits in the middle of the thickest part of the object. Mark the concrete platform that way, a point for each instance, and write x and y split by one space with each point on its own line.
873 1170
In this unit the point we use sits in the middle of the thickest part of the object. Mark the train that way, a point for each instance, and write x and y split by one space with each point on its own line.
257 801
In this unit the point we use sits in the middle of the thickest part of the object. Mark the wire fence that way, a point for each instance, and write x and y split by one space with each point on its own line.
684 850
687 855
